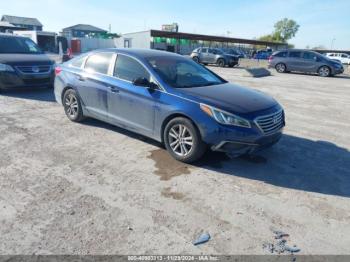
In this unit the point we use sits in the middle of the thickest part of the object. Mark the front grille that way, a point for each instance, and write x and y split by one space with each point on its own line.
38 81
270 124
35 69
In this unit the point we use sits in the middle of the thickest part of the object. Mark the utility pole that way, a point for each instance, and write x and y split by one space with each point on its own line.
110 28
332 44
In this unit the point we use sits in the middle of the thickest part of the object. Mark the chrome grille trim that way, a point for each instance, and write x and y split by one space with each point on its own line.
42 69
269 124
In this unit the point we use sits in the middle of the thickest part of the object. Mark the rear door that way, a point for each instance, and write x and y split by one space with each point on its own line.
91 83
294 61
129 105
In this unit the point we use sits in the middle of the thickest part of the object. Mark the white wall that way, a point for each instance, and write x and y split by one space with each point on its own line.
136 40
88 44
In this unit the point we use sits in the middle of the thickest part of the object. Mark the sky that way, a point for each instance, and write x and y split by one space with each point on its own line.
322 22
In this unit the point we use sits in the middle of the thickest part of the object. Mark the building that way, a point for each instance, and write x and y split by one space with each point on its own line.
7 27
82 30
184 43
26 23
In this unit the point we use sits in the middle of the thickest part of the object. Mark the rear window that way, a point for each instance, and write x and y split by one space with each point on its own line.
281 54
99 63
204 50
77 62
295 54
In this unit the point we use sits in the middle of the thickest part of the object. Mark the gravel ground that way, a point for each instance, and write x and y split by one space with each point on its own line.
92 188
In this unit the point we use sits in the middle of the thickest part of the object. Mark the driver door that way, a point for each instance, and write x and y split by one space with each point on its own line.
131 106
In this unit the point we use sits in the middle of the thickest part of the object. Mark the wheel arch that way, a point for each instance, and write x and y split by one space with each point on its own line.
171 117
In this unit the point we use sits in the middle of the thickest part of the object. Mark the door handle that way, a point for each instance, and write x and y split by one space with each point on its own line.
113 89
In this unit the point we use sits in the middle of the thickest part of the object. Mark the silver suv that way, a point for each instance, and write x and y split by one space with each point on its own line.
304 61
206 55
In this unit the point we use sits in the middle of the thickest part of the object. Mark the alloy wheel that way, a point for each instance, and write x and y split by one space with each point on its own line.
71 104
180 140
324 71
280 68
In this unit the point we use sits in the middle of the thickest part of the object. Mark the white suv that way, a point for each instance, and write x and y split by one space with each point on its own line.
342 57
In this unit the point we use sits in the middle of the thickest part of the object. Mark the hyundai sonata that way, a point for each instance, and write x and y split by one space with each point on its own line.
169 98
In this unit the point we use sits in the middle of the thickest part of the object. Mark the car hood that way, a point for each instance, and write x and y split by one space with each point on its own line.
231 98
25 59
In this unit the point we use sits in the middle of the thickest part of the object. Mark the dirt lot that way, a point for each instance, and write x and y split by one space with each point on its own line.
92 188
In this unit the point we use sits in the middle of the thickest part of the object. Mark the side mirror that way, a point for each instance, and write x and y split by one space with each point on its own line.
144 82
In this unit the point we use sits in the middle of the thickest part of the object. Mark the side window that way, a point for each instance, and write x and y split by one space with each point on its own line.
211 50
294 54
99 63
129 69
344 55
77 62
204 50
281 54
331 55
309 56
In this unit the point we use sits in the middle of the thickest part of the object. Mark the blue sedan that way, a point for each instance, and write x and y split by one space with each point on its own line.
169 98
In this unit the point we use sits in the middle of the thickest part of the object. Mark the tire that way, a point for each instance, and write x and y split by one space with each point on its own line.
72 106
221 62
324 71
190 148
196 59
281 68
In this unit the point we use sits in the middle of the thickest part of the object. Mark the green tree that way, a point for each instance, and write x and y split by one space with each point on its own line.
285 30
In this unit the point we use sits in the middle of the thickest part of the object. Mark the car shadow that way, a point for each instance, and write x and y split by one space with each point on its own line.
39 94
345 76
294 163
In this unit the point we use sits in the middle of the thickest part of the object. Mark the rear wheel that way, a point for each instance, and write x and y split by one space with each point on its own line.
72 106
183 140
281 68
221 62
324 71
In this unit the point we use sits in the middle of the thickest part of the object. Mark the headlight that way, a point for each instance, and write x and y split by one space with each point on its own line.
6 68
225 118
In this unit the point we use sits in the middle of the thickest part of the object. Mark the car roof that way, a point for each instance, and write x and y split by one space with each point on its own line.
139 53
11 35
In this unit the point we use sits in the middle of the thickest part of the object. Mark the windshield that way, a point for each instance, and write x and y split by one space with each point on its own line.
180 72
18 45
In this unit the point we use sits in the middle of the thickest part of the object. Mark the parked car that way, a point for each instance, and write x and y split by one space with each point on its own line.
23 64
169 98
235 52
263 54
206 55
342 57
304 61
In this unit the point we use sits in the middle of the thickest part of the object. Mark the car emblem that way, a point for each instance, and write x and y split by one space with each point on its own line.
35 69
275 120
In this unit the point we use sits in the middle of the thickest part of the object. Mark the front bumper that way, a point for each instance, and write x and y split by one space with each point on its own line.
241 148
15 80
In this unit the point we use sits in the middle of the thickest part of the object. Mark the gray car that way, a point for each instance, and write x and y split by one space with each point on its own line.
305 61
206 55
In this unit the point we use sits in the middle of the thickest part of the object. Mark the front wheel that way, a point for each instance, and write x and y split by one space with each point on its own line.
72 106
324 71
221 62
183 140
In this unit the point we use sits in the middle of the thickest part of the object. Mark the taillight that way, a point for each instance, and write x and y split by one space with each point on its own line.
270 58
58 70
